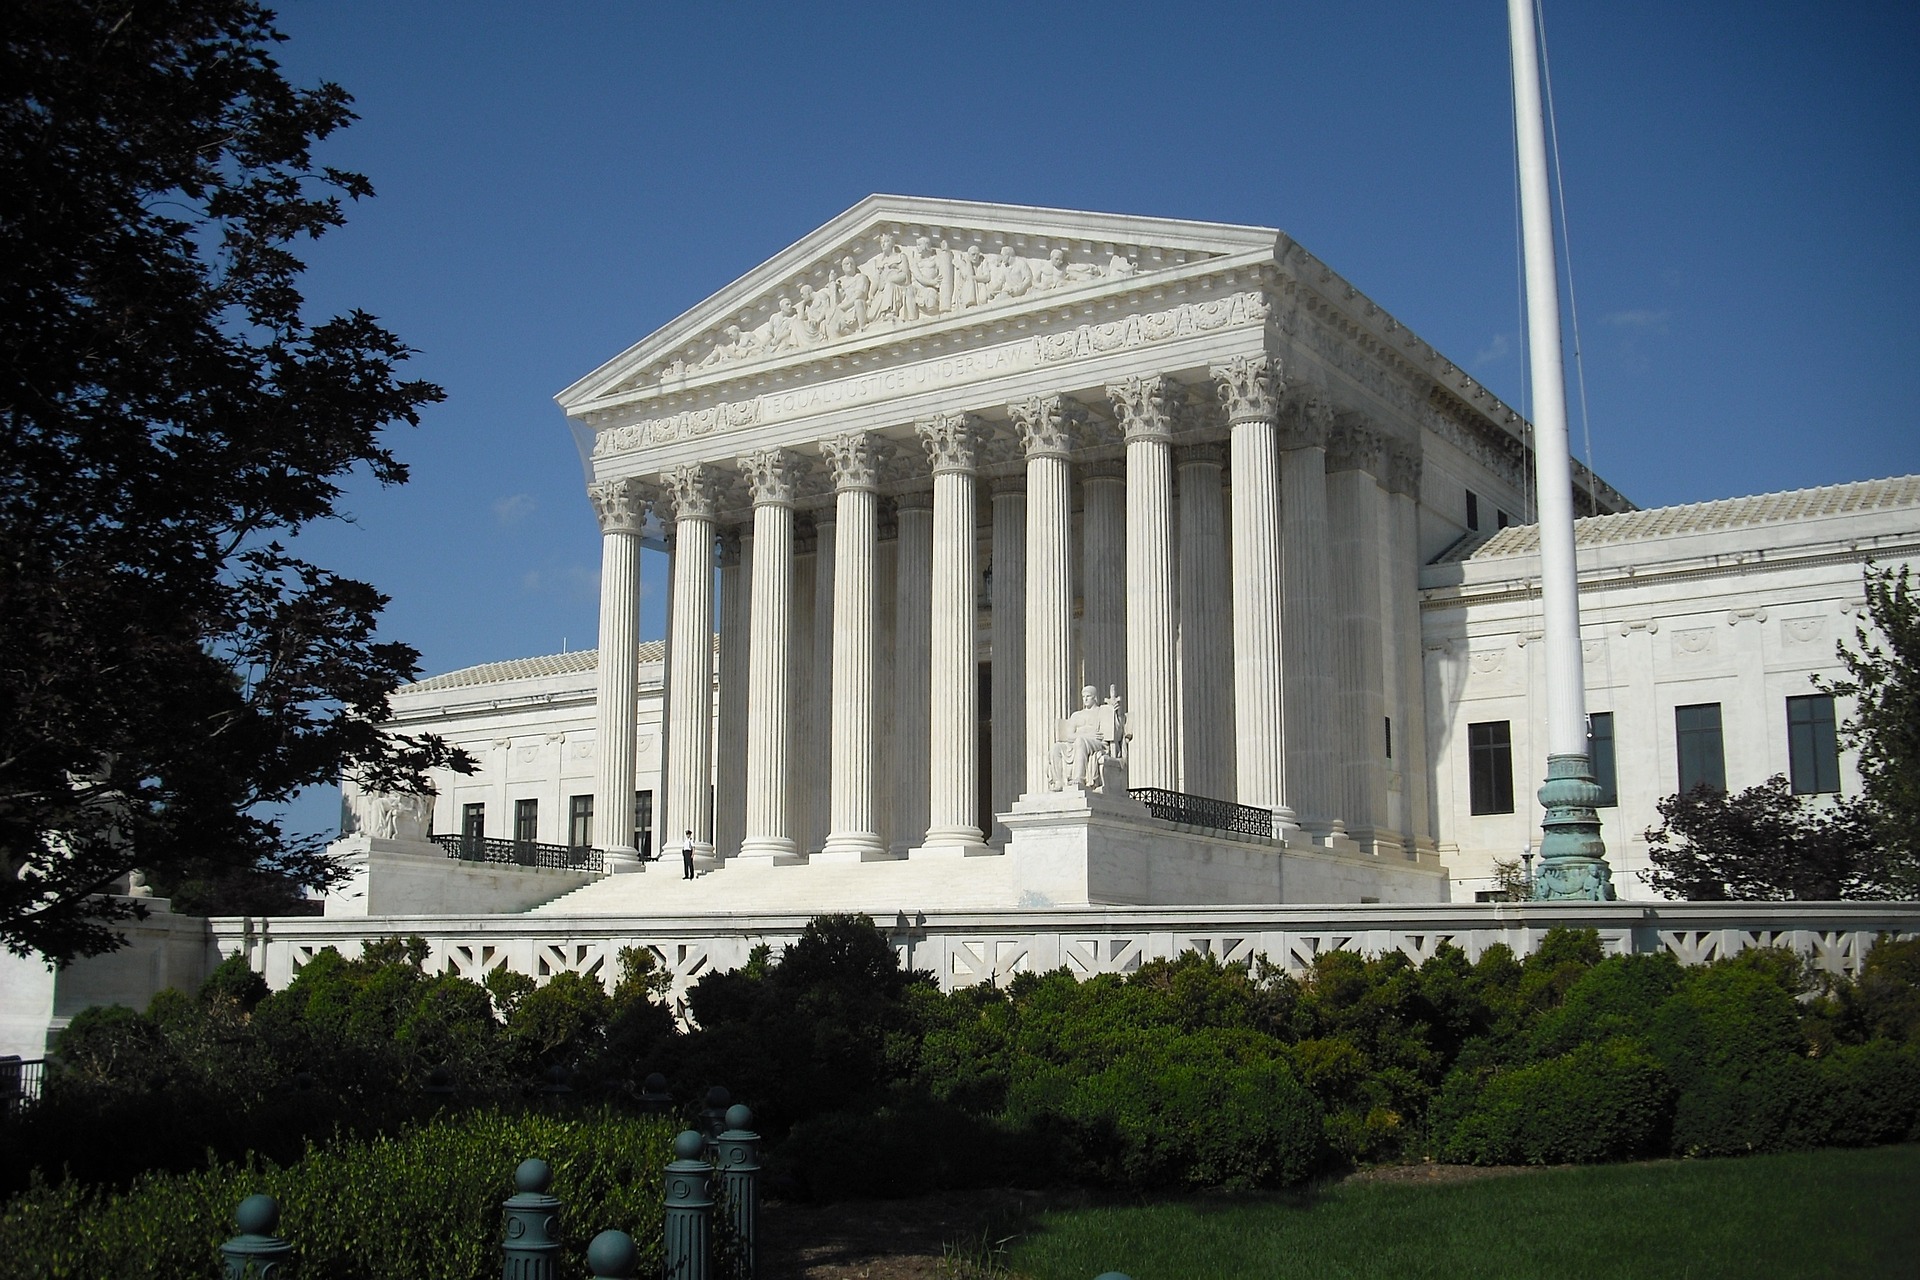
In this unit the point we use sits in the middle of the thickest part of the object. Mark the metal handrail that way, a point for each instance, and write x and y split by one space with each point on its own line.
21 1081
521 853
1204 811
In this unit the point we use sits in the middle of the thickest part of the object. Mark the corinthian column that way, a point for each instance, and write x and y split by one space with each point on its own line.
1103 577
1046 425
952 442
622 509
1009 710
1206 667
1307 613
771 474
730 755
913 589
852 834
1355 516
1402 589
1145 408
691 489
1248 389
816 761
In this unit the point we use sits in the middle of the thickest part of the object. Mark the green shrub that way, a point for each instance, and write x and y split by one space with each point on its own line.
909 1148
1730 1038
1617 997
1611 1101
425 1205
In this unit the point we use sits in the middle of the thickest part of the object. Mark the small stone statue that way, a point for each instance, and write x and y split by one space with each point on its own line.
1089 746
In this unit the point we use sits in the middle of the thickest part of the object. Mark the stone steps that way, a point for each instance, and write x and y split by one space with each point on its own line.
873 887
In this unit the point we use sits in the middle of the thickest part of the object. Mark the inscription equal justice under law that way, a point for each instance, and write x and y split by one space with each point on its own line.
1084 340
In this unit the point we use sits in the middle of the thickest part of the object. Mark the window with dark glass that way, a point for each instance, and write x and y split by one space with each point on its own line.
1600 754
580 821
643 823
1389 724
473 821
1813 747
1702 752
1501 519
1490 766
526 821
1473 510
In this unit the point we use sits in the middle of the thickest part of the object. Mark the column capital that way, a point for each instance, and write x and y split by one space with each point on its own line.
917 500
854 458
1306 421
1403 468
1047 425
1355 445
953 441
693 490
1200 455
772 475
730 540
1014 486
619 505
1146 406
1249 387
1103 469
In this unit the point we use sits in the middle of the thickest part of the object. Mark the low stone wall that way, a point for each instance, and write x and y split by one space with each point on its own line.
964 948
416 878
37 1002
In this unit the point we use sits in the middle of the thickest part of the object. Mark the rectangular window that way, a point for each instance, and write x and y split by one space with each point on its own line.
1490 766
1703 759
1813 748
473 821
580 821
1600 753
1473 510
1389 724
1501 520
643 823
526 821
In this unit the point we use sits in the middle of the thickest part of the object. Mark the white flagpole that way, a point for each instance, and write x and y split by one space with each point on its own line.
1573 859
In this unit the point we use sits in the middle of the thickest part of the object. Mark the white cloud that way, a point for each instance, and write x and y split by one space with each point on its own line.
1494 352
513 508
1655 321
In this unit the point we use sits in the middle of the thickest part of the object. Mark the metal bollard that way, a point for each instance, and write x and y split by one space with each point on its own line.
655 1100
689 1202
739 1152
713 1116
256 1253
533 1225
612 1256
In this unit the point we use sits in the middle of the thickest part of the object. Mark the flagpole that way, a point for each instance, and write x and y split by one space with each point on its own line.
1573 858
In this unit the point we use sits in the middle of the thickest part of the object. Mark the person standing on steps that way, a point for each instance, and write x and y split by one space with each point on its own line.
686 856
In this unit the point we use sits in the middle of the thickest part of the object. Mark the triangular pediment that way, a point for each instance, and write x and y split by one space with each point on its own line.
898 264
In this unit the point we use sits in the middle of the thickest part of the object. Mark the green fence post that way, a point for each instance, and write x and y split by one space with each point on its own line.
655 1100
256 1253
739 1151
689 1202
612 1256
533 1225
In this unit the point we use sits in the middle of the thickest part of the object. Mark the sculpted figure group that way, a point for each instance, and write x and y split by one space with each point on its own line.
899 285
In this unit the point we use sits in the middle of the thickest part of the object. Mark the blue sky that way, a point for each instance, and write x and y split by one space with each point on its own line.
557 180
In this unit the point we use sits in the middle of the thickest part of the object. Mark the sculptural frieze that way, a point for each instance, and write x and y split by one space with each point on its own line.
899 284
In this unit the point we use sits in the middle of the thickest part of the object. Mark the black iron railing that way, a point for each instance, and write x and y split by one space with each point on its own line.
521 853
21 1081
1204 811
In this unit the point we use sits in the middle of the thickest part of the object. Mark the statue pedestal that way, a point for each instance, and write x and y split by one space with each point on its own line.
1075 848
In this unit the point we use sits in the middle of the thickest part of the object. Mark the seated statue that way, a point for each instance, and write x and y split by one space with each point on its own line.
1089 746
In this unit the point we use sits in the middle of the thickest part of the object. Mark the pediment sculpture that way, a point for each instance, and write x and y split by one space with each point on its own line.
1090 746
900 284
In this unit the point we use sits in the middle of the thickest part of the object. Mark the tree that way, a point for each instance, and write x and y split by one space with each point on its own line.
169 419
1766 844
1883 679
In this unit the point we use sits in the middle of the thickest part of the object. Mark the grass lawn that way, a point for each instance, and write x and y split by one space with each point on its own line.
1819 1213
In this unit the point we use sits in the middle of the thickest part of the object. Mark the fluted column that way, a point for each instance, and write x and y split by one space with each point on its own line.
689 695
913 605
804 733
1406 650
852 833
1009 710
1206 627
1046 425
1312 730
1145 408
952 442
1355 516
771 474
730 753
621 508
1248 389
817 758
1103 577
